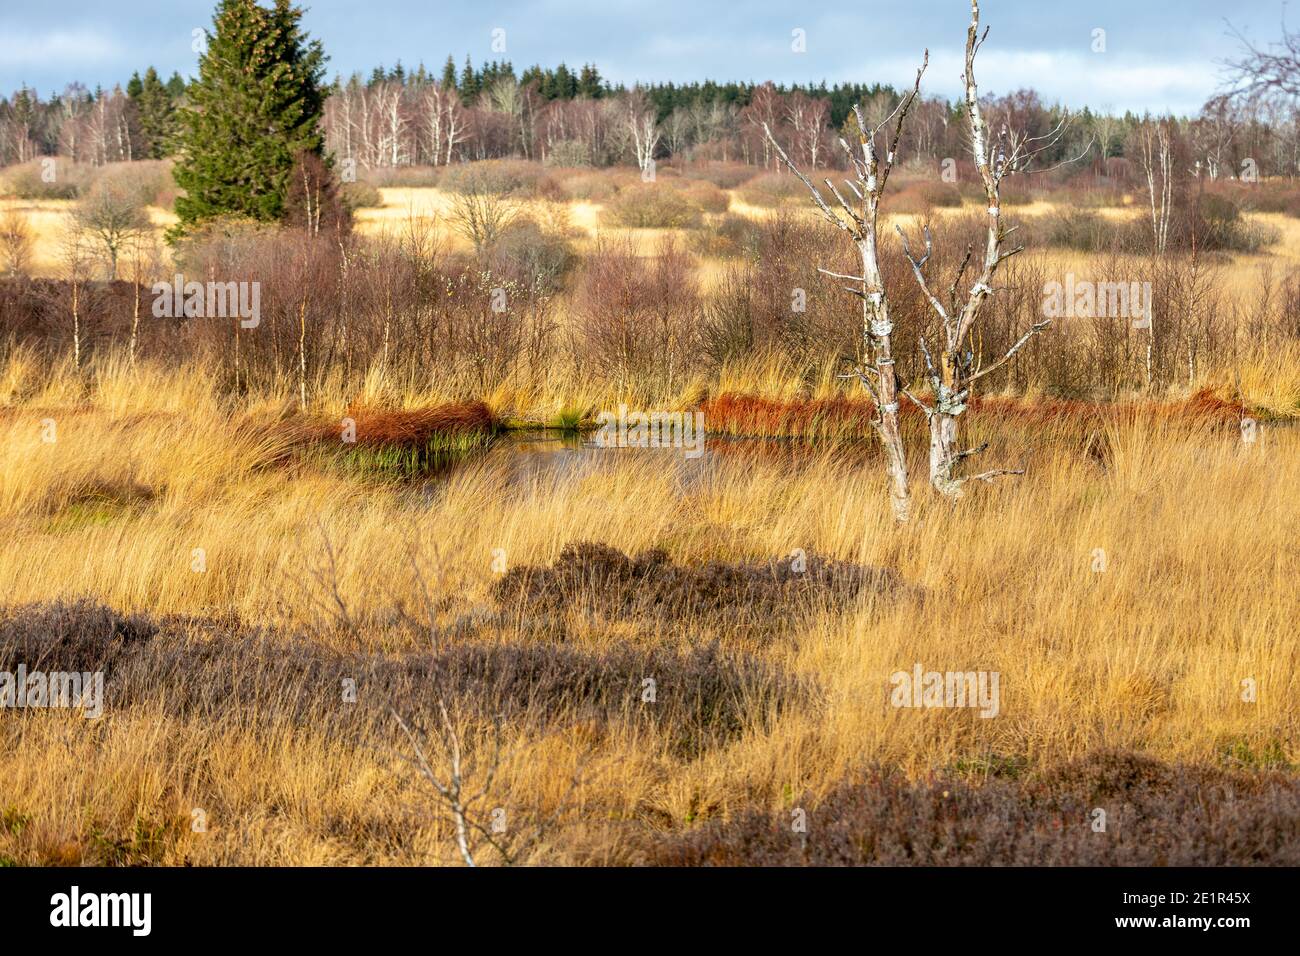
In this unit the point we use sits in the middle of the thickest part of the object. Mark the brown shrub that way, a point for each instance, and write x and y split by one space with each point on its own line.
68 636
650 586
704 195
921 197
220 672
592 185
722 175
842 416
652 205
1157 815
776 300
409 177
636 316
730 236
514 177
772 189
30 180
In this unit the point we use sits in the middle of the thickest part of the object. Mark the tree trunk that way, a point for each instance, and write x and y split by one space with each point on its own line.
302 354
877 333
943 451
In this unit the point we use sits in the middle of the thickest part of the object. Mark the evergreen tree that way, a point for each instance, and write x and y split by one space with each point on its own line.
589 82
469 82
449 74
255 107
563 85
156 113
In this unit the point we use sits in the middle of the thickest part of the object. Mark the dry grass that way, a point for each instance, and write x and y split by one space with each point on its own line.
1198 531
264 577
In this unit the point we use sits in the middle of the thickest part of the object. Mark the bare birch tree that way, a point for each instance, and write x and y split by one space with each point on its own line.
642 123
956 371
75 258
112 216
1157 164
1157 158
483 217
876 371
143 255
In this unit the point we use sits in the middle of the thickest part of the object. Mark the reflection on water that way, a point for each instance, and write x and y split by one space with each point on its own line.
535 458
518 459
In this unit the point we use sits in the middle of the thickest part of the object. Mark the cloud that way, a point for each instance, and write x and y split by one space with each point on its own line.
65 49
1120 82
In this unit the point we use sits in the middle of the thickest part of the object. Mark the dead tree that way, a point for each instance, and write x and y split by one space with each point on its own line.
876 370
1158 165
957 370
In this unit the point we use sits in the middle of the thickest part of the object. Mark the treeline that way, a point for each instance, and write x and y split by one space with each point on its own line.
575 117
562 83
96 127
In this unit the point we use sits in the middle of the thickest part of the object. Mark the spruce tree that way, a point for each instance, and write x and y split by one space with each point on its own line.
469 82
156 114
255 107
449 74
589 82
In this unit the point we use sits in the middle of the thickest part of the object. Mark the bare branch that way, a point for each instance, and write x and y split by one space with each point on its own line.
1020 343
812 190
920 276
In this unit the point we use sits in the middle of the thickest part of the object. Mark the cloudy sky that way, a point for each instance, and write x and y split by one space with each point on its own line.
1157 55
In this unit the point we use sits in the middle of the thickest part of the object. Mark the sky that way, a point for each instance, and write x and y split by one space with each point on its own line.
1157 56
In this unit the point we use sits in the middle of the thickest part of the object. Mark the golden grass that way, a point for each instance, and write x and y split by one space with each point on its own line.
1198 530
48 219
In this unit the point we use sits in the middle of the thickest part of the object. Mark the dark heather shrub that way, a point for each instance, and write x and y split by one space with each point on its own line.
1156 815
607 581
68 636
702 697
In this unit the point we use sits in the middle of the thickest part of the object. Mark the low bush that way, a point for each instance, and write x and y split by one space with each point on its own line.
921 197
401 177
49 177
730 236
568 154
592 185
772 189
533 255
514 177
1082 231
652 205
360 195
722 175
705 195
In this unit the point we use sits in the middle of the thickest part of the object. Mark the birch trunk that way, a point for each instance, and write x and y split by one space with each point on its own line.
877 336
